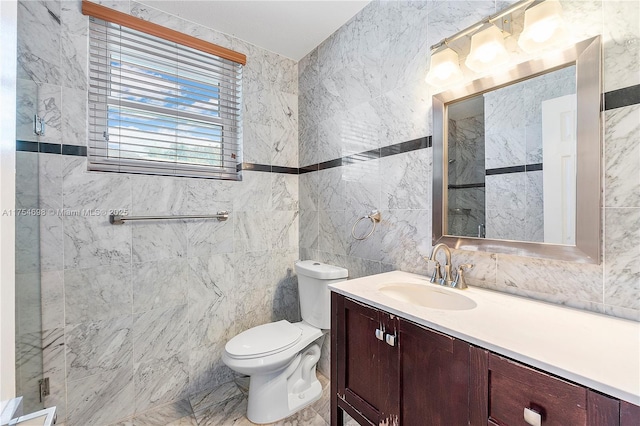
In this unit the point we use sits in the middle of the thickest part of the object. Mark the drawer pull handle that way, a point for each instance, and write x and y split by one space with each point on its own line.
532 418
379 334
391 339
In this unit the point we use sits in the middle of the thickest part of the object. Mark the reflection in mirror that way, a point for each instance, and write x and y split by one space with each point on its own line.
512 161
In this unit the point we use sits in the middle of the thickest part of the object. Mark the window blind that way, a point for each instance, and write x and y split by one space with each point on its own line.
158 107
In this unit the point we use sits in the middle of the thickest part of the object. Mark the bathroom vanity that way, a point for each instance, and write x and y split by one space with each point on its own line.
408 352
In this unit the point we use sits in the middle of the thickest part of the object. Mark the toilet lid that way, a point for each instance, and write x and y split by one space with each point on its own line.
264 340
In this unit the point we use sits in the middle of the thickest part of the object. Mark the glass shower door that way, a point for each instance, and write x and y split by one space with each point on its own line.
29 366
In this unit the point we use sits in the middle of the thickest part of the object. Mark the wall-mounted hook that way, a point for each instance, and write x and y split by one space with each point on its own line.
38 125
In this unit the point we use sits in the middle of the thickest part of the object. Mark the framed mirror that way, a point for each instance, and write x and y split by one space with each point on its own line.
517 159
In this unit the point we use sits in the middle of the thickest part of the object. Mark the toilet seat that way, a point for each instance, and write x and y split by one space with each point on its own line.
263 340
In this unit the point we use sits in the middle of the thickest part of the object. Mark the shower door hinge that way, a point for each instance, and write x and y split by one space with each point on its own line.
44 388
38 125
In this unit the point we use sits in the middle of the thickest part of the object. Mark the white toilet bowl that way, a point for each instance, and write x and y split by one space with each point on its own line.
281 357
283 375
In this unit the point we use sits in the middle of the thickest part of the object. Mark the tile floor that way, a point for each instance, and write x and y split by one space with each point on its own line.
226 405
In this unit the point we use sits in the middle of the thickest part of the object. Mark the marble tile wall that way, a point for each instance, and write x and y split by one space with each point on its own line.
363 88
136 316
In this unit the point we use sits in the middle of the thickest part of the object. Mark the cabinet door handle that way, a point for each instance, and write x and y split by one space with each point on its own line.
532 417
391 339
379 334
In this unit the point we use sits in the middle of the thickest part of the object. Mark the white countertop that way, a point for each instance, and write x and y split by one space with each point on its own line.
597 351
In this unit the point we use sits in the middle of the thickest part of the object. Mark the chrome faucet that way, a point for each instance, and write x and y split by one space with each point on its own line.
446 278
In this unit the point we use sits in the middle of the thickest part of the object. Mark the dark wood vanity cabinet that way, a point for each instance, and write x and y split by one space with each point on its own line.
505 391
389 371
629 414
365 366
434 377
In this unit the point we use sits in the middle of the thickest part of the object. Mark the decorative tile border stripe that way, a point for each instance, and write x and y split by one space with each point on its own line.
467 186
505 170
51 148
622 97
329 164
533 167
614 99
80 151
27 146
372 154
254 167
514 169
308 169
267 168
402 147
285 170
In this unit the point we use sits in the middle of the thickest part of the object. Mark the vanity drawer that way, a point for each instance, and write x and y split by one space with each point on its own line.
514 387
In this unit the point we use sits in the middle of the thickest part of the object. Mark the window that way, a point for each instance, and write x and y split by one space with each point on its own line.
160 107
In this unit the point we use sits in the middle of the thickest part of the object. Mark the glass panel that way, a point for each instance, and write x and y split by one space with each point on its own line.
28 303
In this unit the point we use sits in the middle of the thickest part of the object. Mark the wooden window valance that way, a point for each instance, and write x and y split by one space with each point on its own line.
110 15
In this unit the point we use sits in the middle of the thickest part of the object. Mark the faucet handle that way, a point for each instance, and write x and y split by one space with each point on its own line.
447 275
437 274
459 281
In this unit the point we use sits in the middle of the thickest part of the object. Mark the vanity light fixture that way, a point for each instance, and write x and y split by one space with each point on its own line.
543 26
444 69
487 49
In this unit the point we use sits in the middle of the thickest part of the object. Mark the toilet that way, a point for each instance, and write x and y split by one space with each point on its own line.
281 357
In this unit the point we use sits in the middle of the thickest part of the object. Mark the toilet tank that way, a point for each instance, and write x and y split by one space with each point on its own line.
313 289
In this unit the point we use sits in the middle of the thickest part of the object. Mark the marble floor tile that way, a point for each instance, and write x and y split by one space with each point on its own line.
323 405
202 400
185 421
226 405
174 413
230 412
305 417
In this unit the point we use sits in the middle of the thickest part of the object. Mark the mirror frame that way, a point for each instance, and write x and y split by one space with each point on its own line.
586 55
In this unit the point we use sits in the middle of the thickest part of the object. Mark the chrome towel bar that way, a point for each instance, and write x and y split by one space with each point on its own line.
116 219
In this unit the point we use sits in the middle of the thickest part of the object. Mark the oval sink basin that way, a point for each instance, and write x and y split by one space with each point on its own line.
428 296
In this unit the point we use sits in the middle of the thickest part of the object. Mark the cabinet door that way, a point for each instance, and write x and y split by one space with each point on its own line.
435 377
629 414
516 391
364 364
